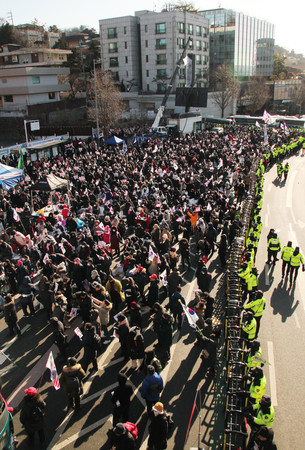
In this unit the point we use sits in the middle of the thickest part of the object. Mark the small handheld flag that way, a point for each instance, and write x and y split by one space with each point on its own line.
53 372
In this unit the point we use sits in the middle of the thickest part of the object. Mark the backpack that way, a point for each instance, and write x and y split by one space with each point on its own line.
132 428
73 385
153 389
35 414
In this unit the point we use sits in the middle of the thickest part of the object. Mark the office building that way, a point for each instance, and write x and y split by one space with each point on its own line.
245 43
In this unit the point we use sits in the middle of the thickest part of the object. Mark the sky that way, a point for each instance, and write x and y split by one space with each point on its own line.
288 17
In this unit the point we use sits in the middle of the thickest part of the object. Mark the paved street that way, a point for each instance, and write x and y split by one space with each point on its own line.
89 426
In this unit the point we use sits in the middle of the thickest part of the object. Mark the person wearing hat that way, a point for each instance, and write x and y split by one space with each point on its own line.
31 415
158 428
135 315
257 306
151 388
153 290
121 438
249 326
141 279
262 439
71 379
260 414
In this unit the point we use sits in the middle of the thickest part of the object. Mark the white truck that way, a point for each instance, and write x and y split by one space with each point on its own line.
187 122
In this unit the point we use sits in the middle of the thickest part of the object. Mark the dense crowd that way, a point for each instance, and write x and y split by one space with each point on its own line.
113 247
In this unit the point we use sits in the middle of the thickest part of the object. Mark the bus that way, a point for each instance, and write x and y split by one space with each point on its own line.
247 120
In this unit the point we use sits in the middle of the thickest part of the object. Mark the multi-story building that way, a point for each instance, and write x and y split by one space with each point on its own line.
142 51
30 76
245 43
33 33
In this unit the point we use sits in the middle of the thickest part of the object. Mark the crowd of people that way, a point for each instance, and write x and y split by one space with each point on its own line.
113 247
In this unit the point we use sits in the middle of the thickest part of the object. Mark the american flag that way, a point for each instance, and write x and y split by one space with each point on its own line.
53 372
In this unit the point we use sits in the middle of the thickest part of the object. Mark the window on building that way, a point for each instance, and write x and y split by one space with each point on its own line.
160 44
146 43
198 73
161 74
51 95
147 73
4 80
115 76
182 73
147 87
113 47
198 45
34 57
204 46
35 80
198 30
181 27
180 42
114 61
61 57
127 75
125 45
125 30
8 98
145 28
112 33
191 44
198 59
160 28
190 28
161 59
161 88
146 58
204 32
126 59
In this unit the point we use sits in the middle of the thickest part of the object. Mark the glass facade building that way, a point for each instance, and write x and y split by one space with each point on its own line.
236 39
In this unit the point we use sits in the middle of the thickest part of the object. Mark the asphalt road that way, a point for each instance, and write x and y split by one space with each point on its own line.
88 427
283 323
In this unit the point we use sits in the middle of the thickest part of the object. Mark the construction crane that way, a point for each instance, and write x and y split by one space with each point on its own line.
169 88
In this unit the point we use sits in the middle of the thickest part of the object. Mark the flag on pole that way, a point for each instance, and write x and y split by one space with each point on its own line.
20 161
190 315
163 278
16 215
257 124
151 253
53 372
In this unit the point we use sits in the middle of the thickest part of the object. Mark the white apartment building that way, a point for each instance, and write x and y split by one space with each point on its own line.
142 51
30 77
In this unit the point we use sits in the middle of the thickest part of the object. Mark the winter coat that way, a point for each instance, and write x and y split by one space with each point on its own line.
173 280
158 429
123 392
146 391
103 310
115 239
165 333
174 303
136 343
10 315
29 403
73 371
124 442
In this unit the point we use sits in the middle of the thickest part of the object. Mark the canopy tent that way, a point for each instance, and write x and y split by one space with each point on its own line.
114 140
9 176
49 183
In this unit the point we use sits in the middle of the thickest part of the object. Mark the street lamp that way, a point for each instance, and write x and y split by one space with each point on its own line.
96 106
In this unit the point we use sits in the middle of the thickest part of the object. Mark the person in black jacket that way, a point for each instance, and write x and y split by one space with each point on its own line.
262 440
153 290
31 415
121 398
136 345
90 347
59 336
71 379
10 316
135 315
123 332
121 438
158 428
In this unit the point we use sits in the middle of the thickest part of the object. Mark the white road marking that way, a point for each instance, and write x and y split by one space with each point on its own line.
296 319
81 433
290 185
293 236
272 374
266 221
267 275
269 187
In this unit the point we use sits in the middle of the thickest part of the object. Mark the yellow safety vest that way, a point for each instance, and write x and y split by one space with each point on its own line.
250 329
264 419
296 260
287 253
257 306
274 244
257 391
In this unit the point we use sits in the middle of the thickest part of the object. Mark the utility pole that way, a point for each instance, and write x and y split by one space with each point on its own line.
96 106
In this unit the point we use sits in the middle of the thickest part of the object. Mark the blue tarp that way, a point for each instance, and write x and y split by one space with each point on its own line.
114 140
9 176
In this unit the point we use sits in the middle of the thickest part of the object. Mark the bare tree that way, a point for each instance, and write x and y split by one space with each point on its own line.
76 82
227 88
110 105
257 94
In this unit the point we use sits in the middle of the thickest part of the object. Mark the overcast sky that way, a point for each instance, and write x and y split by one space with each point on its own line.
288 16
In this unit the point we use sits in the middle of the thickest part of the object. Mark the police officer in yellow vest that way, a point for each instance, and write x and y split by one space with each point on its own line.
274 245
286 254
251 283
259 415
257 306
257 386
249 326
254 358
295 261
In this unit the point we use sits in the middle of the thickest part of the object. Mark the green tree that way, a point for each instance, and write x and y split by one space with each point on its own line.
7 34
280 71
226 87
110 105
54 29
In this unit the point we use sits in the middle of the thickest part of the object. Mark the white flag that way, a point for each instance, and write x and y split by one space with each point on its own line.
163 277
190 315
53 372
78 333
